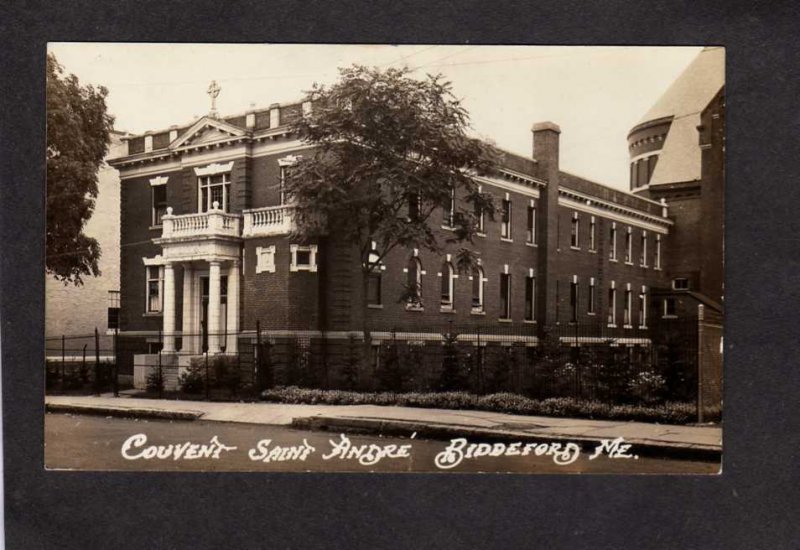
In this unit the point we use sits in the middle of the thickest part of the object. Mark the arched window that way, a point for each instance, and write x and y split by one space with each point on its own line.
414 282
478 284
448 285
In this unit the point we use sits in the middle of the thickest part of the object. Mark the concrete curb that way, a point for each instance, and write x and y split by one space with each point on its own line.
123 412
430 430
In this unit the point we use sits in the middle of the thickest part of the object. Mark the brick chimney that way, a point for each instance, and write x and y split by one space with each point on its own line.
546 154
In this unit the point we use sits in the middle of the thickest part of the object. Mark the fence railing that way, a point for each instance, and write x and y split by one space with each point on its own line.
583 361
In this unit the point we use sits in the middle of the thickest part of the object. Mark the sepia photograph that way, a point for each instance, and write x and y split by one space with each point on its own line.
384 258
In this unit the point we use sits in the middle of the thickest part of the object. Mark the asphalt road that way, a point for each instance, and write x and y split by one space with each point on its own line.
98 443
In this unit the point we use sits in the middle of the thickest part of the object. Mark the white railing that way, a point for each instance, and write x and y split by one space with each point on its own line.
272 220
213 222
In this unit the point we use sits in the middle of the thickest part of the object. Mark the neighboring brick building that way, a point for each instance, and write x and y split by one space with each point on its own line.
677 156
79 310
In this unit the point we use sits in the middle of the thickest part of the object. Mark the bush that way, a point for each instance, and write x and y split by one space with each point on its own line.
193 379
155 380
668 413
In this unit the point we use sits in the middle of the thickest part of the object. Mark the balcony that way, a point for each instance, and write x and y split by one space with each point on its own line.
269 221
214 223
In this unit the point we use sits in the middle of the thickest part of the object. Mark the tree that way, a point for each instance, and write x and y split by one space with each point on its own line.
389 152
78 128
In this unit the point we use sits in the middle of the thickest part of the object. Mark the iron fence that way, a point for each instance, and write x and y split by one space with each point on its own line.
585 361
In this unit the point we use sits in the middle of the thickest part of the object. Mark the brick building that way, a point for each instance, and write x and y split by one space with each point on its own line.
208 254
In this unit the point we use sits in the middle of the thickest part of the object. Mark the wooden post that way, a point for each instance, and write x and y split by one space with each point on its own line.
699 359
63 359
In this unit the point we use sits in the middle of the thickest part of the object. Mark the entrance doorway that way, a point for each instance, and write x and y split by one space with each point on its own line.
223 312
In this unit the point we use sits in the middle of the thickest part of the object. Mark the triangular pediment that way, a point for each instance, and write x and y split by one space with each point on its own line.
207 130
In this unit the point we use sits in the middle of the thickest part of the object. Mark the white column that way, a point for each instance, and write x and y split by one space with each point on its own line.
169 309
214 299
189 336
231 345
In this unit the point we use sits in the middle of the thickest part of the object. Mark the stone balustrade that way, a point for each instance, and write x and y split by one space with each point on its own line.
215 222
272 220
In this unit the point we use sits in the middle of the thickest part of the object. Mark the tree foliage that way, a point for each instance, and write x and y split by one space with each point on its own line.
78 128
389 151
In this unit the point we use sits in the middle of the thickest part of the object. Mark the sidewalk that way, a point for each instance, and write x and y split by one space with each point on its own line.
700 441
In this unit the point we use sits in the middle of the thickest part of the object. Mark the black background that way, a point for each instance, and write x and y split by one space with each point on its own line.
751 505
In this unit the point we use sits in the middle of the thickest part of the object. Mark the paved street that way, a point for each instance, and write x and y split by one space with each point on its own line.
96 443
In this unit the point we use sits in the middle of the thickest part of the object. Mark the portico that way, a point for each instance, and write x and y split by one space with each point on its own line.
206 249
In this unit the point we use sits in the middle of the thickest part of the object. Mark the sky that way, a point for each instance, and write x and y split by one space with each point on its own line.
595 94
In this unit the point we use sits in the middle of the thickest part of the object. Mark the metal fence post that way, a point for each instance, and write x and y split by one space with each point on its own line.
206 377
97 359
259 372
160 379
115 371
63 360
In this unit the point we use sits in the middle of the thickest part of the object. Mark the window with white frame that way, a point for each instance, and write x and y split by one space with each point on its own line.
612 253
680 283
448 218
658 252
214 189
374 276
643 252
479 217
670 307
592 234
113 309
448 285
414 282
505 218
155 288
159 205
530 236
643 308
574 233
628 246
478 288
530 297
505 296
590 309
612 305
304 258
573 299
284 164
626 312
414 206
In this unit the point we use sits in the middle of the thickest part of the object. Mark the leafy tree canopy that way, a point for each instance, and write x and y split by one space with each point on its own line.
78 129
390 150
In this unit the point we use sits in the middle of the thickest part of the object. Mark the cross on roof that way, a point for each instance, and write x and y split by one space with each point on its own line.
213 90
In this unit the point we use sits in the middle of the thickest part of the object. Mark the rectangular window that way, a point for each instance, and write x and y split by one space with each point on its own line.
530 237
643 308
680 283
592 234
530 298
214 189
159 203
612 254
282 186
113 309
374 288
477 290
612 306
658 252
574 231
670 307
303 258
590 308
414 204
628 247
450 210
505 221
573 301
626 313
643 252
505 296
155 285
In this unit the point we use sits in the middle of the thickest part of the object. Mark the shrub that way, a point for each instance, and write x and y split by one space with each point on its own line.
669 413
193 379
155 380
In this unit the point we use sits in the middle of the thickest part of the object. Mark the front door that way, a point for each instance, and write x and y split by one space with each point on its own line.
223 311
